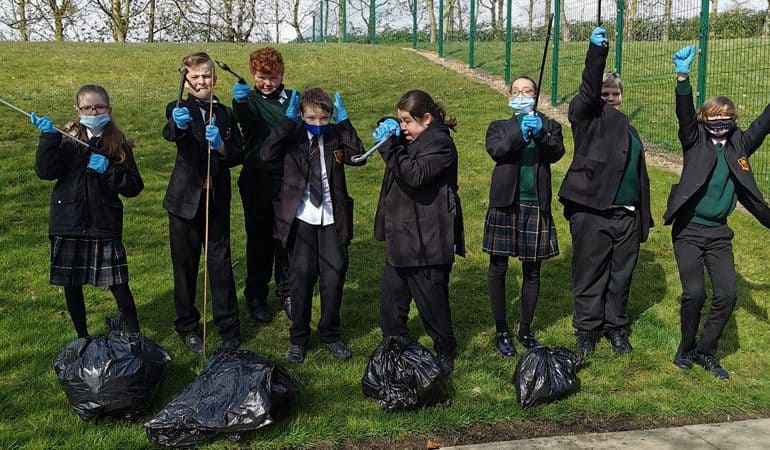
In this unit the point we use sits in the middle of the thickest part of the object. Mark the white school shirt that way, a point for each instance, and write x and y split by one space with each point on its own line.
322 214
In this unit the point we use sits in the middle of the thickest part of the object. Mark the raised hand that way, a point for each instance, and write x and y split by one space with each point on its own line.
292 111
181 116
599 37
44 124
240 91
340 113
683 59
386 128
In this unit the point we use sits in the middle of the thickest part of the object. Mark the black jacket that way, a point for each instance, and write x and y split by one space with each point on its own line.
418 214
84 203
699 161
505 144
289 142
188 178
601 147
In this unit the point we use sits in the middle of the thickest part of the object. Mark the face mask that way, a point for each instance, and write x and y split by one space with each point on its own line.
316 130
719 127
95 122
522 104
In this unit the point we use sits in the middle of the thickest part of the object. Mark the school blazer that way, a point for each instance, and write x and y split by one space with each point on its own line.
505 144
699 161
418 213
288 141
188 177
84 203
601 148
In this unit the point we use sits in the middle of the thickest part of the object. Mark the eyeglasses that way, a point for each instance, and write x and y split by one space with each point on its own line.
98 109
527 92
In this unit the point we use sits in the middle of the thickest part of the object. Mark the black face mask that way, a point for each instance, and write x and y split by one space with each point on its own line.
719 127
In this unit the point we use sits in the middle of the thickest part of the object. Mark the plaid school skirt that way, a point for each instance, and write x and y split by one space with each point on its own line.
79 261
521 232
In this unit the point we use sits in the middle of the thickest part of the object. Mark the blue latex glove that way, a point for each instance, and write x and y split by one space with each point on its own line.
98 163
531 123
340 113
599 37
44 124
292 111
386 128
240 91
181 117
683 58
213 136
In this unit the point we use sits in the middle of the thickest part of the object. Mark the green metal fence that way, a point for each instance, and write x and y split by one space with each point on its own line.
733 51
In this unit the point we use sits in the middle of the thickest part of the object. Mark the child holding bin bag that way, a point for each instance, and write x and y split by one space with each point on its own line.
519 222
716 174
420 219
86 216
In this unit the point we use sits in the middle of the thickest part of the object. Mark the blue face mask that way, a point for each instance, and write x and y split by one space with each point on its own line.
316 130
95 123
522 104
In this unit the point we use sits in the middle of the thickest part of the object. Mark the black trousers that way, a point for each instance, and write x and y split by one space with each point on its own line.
315 255
429 286
695 247
263 252
530 290
605 249
187 238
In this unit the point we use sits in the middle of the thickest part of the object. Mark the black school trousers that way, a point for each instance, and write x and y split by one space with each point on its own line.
187 238
697 247
429 286
315 255
264 254
605 249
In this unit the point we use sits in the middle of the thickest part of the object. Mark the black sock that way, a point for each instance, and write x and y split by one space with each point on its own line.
76 306
524 329
126 306
530 290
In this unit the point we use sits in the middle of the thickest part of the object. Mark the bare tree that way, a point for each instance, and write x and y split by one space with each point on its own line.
667 7
766 28
297 16
119 14
432 24
566 35
16 15
59 14
714 7
151 22
530 16
629 20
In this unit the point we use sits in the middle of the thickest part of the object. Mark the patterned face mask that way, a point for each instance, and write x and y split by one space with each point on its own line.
719 127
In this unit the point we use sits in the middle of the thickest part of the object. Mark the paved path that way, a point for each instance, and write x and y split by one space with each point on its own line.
747 434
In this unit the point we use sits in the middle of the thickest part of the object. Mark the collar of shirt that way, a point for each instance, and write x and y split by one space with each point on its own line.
719 141
92 134
282 97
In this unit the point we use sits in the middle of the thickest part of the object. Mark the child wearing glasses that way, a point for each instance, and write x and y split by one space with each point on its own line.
86 214
519 222
715 176
201 140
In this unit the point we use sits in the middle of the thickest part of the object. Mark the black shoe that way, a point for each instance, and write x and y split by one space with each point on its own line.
230 344
339 350
296 353
618 338
711 364
259 311
447 363
135 343
586 341
287 306
683 360
527 340
193 341
504 343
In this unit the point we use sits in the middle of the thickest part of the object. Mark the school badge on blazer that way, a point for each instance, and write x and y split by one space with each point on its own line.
744 163
339 156
228 134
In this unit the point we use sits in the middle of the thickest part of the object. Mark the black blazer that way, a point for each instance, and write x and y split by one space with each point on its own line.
84 203
288 141
699 161
505 144
188 178
601 147
418 214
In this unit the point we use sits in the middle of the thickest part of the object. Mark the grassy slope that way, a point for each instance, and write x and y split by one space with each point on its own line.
142 78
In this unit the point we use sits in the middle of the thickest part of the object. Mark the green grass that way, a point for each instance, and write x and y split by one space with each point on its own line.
34 324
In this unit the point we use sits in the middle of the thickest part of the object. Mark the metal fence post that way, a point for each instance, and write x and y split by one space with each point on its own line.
704 39
508 43
619 37
440 28
344 4
313 34
555 53
472 37
372 22
414 23
321 22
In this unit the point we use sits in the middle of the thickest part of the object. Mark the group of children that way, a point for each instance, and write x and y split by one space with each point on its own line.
299 215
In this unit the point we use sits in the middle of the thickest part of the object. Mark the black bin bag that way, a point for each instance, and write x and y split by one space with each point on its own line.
544 375
404 375
110 376
237 391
